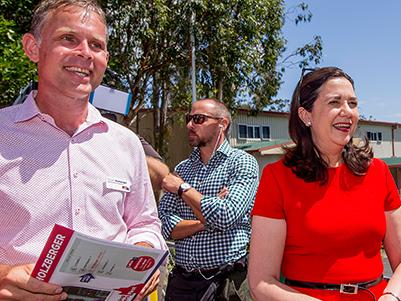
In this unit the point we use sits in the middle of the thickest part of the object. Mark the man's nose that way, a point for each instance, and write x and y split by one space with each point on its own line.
85 50
190 124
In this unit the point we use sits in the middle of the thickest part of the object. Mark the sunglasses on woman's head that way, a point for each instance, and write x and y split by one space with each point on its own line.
198 118
304 72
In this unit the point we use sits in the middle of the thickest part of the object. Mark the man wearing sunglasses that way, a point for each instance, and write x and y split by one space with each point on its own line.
206 210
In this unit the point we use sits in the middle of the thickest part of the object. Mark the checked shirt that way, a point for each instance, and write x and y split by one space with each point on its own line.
227 220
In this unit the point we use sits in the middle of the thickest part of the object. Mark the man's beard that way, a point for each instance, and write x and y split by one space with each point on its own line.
197 142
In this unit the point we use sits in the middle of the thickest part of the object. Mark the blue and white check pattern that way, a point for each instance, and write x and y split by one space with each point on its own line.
227 219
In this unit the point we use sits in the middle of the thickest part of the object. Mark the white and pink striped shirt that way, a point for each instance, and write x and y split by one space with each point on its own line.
48 177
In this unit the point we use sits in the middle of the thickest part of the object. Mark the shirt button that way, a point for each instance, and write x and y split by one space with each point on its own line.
75 175
77 211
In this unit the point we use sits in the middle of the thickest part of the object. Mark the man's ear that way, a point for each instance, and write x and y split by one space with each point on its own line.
305 116
224 124
31 47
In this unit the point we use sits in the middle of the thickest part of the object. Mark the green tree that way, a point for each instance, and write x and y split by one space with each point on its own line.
238 47
148 49
239 44
15 68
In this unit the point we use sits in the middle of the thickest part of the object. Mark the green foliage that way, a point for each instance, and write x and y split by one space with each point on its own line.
19 11
15 69
238 49
309 53
239 45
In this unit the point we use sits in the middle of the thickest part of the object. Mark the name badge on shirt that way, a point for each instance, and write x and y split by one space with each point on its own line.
118 184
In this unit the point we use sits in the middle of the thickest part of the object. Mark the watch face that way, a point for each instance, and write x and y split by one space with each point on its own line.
185 186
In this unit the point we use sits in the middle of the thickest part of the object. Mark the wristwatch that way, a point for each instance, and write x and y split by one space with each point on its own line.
183 187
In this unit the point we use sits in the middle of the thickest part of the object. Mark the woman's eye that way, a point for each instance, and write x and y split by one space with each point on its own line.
353 104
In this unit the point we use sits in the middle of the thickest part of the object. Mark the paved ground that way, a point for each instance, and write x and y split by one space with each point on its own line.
387 268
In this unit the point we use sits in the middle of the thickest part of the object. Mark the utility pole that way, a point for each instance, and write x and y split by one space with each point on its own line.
193 67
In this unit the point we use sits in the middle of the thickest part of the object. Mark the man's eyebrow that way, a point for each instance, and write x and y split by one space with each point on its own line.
66 29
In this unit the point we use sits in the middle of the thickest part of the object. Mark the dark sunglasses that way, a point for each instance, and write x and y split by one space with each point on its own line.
198 118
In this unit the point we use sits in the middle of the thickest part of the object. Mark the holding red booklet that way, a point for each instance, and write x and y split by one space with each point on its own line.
93 269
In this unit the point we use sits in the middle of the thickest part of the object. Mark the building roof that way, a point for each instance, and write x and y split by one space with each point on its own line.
392 161
287 115
265 147
274 147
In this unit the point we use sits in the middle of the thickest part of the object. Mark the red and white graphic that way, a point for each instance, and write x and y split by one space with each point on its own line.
91 267
141 263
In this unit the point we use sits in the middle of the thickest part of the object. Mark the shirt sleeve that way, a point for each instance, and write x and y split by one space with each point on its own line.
168 213
269 199
149 150
225 213
140 210
392 200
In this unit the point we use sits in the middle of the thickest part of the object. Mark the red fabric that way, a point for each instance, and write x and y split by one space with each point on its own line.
334 231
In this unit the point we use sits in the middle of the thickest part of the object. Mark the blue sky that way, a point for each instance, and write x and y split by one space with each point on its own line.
363 37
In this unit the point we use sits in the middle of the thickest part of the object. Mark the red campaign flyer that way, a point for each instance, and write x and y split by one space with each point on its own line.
92 269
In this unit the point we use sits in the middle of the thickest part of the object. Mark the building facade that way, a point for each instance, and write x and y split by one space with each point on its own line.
264 135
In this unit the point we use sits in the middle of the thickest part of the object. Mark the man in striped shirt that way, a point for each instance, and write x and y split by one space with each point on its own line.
206 209
61 161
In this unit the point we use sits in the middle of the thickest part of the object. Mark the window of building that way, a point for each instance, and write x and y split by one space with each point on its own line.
242 131
265 132
250 132
253 132
374 136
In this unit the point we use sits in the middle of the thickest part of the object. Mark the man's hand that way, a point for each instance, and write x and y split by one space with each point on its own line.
172 182
150 286
153 282
17 284
223 193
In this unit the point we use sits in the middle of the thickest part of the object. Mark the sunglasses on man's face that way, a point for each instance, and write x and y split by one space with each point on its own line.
198 118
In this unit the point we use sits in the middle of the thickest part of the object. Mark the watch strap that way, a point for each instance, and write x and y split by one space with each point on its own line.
183 187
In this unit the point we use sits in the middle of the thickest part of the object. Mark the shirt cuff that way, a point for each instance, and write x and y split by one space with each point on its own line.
168 227
151 237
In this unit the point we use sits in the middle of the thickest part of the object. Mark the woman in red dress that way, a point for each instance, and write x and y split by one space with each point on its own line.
323 212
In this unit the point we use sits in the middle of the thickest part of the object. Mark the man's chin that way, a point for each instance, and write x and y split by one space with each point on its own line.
81 91
197 143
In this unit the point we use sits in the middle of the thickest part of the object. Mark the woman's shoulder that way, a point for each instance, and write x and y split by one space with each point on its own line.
277 167
378 163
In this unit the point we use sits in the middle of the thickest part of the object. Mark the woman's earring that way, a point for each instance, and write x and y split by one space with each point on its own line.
309 124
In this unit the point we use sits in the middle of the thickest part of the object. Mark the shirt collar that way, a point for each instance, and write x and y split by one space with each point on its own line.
224 149
29 109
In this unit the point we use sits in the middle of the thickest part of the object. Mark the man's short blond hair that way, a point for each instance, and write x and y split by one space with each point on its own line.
46 7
